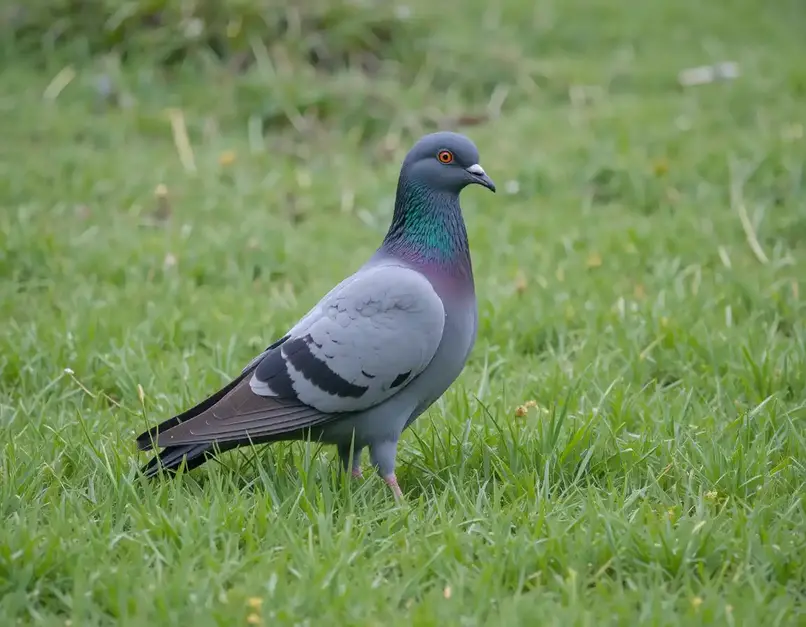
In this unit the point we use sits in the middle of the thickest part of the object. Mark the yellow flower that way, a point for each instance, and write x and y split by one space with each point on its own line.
594 260
226 158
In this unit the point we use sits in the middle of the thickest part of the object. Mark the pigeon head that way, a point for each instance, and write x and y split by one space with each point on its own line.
427 225
445 162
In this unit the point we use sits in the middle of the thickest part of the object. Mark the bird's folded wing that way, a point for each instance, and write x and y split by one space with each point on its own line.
364 342
242 415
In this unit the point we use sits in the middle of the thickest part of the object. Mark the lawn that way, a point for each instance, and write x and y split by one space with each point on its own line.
627 444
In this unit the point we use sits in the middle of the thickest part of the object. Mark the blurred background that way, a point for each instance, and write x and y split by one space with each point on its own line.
202 148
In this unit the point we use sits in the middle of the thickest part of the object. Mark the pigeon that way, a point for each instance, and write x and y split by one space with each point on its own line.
374 353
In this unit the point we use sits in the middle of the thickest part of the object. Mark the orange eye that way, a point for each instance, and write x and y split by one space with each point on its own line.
445 156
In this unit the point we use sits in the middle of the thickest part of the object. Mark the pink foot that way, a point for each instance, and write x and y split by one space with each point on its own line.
391 481
357 474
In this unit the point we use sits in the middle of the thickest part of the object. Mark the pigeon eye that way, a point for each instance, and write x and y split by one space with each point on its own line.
445 156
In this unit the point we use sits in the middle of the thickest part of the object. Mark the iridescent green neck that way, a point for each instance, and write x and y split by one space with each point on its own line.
427 227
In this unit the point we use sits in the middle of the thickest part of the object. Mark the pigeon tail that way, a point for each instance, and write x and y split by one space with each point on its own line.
171 458
147 439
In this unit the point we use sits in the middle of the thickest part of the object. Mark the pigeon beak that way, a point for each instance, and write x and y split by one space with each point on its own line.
480 177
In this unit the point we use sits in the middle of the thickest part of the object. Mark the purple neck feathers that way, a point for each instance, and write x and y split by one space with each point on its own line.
428 231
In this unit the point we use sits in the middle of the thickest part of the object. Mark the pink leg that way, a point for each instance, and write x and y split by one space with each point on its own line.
352 463
391 481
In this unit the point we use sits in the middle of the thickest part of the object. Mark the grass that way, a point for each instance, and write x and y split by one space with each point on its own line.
657 478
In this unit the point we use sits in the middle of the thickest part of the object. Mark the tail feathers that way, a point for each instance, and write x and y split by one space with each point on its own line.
170 459
192 455
146 440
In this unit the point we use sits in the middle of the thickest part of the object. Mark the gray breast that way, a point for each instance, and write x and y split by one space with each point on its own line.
458 338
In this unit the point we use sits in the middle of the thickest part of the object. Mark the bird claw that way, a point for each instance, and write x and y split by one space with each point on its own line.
391 481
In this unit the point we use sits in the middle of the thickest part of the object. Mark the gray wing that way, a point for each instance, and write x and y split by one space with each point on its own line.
361 344
364 341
